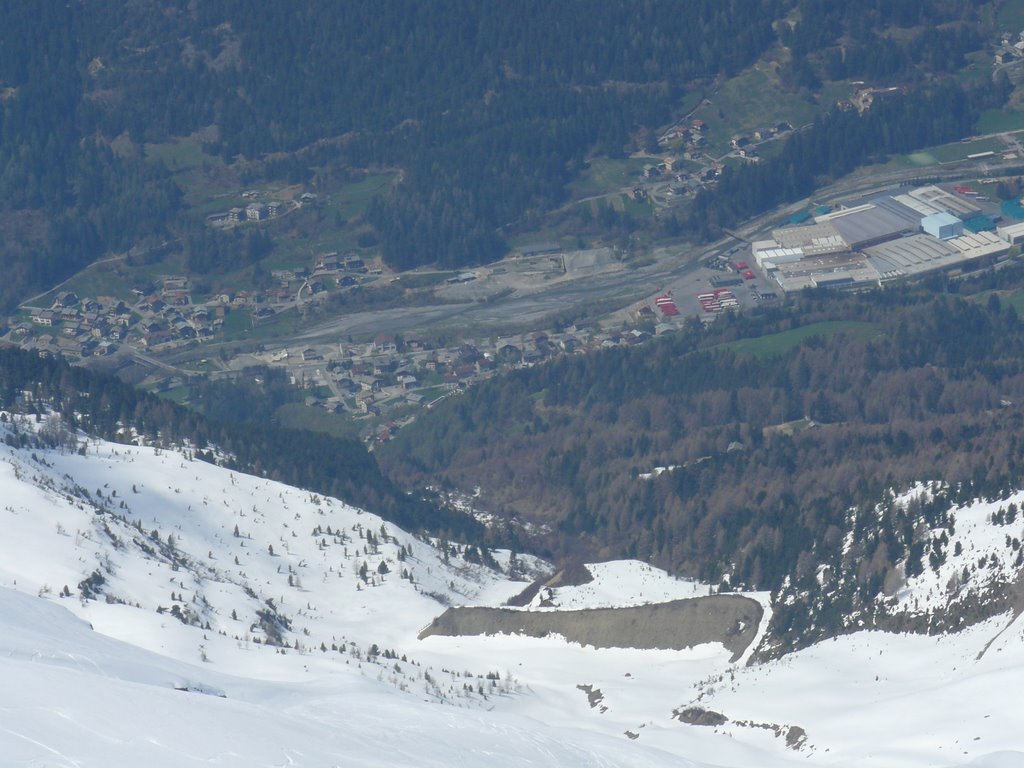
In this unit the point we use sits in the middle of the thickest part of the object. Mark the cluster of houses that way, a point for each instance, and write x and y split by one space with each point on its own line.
391 377
688 141
81 327
256 210
744 144
164 316
864 96
342 271
388 374
161 317
691 139
390 371
168 318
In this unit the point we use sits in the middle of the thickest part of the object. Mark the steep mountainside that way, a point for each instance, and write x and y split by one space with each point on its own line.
294 641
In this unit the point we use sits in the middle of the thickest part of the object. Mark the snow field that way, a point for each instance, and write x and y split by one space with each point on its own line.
71 696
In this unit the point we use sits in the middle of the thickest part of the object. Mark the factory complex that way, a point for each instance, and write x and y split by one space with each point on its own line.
886 237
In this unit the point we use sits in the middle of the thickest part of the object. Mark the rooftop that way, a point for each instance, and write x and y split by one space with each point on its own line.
940 219
872 223
941 200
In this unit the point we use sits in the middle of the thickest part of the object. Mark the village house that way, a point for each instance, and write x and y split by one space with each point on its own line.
384 343
256 212
509 353
66 299
328 261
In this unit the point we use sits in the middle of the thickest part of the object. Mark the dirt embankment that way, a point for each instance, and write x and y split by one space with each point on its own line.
731 620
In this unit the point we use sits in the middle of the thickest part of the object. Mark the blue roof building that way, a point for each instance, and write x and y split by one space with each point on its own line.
943 226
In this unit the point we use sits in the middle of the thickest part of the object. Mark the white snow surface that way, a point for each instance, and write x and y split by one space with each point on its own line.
620 583
141 687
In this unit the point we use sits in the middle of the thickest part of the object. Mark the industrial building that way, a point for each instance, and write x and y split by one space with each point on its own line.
882 238
933 199
918 254
1012 233
942 225
812 239
832 271
872 223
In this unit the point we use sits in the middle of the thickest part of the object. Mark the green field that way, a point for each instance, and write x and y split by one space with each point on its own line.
1013 299
352 199
412 280
921 158
238 325
780 343
1000 120
605 174
639 209
179 154
94 281
179 395
291 252
950 153
753 99
977 70
1011 16
430 394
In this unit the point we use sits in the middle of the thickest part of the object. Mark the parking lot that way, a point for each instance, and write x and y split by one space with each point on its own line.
711 290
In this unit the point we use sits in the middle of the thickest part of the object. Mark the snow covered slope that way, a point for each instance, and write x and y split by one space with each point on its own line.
72 697
238 621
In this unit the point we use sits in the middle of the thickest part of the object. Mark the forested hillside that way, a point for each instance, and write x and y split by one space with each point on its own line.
485 111
487 108
772 428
